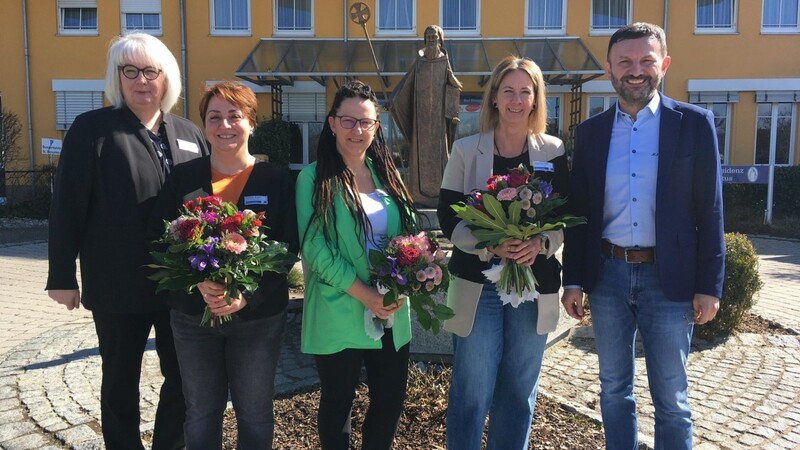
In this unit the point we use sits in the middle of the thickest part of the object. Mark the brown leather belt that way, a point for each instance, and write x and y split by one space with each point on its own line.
632 255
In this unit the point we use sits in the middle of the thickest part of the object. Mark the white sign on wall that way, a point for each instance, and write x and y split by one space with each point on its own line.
51 146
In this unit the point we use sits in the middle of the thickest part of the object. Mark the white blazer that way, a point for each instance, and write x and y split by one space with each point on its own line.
470 165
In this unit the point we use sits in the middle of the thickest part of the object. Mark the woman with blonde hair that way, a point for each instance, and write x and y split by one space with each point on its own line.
498 348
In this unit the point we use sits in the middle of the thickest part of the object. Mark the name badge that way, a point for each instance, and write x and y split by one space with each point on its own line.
188 146
543 166
256 200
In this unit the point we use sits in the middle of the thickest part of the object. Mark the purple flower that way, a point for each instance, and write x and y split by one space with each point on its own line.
208 246
401 279
208 217
546 188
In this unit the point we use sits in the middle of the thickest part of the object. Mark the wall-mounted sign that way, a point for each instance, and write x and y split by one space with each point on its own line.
745 174
51 146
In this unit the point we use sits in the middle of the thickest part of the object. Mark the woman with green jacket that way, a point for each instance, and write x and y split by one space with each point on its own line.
350 201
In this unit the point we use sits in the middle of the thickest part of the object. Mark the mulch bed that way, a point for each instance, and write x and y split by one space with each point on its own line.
423 423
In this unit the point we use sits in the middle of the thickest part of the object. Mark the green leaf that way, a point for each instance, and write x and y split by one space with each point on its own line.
476 217
443 312
495 208
514 212
389 298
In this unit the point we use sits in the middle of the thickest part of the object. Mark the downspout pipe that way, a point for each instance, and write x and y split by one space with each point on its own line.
27 82
344 23
184 80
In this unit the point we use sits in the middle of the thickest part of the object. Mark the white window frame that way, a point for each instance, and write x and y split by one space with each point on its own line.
63 5
708 104
549 31
774 99
780 29
381 30
476 31
559 116
715 29
608 101
228 31
141 7
75 97
594 31
278 31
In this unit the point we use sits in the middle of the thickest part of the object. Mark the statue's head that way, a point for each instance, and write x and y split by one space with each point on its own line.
434 36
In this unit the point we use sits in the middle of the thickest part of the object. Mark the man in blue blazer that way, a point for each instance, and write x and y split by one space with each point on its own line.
646 175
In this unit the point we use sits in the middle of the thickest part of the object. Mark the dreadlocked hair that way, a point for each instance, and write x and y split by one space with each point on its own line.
334 178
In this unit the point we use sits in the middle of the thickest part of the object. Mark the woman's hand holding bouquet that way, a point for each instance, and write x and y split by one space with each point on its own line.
213 241
505 218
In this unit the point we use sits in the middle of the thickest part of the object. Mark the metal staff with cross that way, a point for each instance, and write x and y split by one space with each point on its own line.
360 14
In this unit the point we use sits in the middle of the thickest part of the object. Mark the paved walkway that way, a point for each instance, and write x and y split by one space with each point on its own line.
745 391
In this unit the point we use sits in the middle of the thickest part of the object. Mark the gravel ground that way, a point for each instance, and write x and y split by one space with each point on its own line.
422 425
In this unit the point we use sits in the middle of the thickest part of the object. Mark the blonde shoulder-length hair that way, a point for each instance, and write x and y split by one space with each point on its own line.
149 51
537 120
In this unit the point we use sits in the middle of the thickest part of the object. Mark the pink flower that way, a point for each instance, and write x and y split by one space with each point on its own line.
234 243
430 272
421 276
429 286
507 194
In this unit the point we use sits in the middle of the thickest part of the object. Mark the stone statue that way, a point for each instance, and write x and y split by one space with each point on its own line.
425 107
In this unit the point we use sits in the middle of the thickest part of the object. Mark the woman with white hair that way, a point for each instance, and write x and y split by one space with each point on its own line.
113 163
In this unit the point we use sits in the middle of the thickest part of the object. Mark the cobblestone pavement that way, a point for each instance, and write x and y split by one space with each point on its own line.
745 391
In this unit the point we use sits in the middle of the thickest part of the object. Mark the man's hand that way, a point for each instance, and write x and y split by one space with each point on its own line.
71 298
573 302
705 308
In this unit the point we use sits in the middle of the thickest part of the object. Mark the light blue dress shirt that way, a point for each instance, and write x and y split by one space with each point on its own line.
629 215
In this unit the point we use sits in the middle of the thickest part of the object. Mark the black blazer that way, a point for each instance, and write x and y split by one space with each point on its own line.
106 184
193 179
690 247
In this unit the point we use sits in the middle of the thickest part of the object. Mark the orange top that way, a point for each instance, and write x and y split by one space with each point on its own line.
229 187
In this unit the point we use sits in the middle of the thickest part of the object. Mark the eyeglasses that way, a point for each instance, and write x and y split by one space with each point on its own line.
350 122
131 72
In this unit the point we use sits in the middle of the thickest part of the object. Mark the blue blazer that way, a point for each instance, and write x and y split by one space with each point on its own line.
690 247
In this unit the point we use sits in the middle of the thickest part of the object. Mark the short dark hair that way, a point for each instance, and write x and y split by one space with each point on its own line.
638 30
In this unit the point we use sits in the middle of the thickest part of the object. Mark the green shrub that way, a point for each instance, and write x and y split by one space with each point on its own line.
276 138
295 278
787 185
738 290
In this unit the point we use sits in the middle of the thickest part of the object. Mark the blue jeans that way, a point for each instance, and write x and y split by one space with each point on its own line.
241 355
628 298
496 372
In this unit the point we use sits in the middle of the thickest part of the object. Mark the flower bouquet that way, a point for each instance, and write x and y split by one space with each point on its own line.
213 240
513 206
416 267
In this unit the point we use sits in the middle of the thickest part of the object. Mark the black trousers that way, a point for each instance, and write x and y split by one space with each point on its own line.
339 374
122 339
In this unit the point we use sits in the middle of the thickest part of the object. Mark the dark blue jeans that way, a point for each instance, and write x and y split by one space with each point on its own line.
240 355
339 374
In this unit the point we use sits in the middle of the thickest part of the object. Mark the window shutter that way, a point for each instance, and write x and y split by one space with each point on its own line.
713 97
70 104
141 6
77 3
304 107
777 96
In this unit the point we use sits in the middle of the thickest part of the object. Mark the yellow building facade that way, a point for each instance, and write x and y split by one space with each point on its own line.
736 57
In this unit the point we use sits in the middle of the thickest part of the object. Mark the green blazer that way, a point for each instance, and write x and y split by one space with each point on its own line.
332 319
